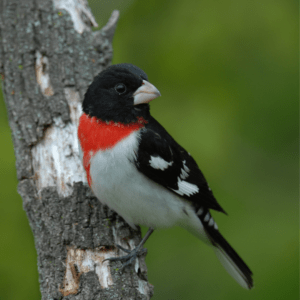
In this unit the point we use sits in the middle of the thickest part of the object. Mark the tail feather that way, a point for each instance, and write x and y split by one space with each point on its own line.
231 261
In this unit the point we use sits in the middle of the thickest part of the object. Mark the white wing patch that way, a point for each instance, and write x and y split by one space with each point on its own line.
186 188
184 171
200 211
183 174
211 222
159 163
185 167
208 218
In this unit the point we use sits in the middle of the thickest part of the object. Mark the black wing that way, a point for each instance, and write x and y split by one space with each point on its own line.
164 161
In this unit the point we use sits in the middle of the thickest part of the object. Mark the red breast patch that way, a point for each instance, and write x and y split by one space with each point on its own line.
95 135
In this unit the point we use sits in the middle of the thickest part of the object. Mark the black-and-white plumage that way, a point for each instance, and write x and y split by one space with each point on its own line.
145 175
164 161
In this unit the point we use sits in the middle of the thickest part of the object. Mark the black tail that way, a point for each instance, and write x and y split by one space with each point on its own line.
231 261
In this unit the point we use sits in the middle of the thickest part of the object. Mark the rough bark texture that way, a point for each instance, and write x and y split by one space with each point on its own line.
48 56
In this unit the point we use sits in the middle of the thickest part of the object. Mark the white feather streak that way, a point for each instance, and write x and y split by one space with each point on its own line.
157 162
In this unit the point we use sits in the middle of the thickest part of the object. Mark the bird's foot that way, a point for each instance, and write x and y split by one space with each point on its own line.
130 257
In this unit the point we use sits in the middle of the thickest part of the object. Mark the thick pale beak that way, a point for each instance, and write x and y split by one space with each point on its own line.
145 93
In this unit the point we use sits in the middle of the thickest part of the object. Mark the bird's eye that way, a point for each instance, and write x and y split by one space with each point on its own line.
120 88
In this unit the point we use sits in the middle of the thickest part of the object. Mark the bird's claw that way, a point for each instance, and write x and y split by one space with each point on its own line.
129 258
122 248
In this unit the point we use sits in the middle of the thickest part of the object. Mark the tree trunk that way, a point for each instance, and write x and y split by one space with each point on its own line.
48 56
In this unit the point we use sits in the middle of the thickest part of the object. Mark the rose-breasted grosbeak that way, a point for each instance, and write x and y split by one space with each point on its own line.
136 168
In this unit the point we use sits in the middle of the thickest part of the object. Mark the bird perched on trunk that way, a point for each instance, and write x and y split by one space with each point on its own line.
137 169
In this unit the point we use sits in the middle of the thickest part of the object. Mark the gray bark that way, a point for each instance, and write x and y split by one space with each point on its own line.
48 57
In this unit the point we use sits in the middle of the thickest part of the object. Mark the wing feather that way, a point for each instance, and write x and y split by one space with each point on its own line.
164 161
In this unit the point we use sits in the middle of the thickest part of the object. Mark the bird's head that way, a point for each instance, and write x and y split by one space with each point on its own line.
120 93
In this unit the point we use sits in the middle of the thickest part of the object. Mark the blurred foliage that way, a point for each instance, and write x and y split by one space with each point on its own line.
228 75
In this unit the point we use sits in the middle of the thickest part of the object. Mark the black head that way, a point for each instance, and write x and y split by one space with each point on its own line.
120 93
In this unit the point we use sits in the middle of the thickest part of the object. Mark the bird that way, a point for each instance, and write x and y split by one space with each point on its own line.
135 167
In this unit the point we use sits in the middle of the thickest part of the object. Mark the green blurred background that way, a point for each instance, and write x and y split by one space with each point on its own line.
228 75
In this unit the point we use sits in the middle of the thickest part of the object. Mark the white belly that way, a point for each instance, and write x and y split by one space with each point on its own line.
117 183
